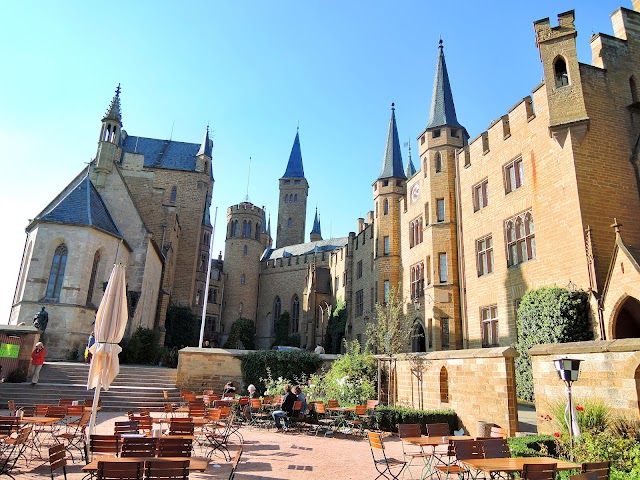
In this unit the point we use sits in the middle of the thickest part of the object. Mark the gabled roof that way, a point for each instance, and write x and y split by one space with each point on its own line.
443 111
316 224
80 204
114 113
206 145
304 248
294 167
392 161
163 153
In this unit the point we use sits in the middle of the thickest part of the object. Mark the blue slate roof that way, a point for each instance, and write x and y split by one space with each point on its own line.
410 171
304 248
294 167
206 146
316 224
163 153
392 162
80 204
443 111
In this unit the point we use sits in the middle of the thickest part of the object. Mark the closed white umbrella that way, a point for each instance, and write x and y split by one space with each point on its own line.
109 328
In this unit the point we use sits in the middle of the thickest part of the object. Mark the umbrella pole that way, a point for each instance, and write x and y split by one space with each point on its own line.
94 410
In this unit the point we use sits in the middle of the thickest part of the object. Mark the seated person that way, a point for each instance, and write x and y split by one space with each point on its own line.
286 408
247 408
301 397
229 390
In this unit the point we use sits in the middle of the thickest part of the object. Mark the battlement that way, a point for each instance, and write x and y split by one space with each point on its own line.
545 32
245 207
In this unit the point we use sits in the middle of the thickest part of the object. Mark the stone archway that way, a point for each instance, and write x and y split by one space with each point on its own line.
418 342
626 323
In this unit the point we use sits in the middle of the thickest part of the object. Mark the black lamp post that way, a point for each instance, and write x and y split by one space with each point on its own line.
568 370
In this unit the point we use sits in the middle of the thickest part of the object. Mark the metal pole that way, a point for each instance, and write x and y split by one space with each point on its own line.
206 288
570 404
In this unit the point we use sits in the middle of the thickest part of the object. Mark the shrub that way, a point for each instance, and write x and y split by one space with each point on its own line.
288 364
243 331
73 355
282 328
181 327
142 347
352 378
532 446
387 418
335 328
548 315
17 376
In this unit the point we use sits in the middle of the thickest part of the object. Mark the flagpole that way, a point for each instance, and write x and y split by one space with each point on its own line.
206 289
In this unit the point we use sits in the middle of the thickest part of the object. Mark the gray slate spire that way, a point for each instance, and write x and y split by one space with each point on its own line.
410 170
207 144
392 162
443 111
114 113
294 167
316 224
264 220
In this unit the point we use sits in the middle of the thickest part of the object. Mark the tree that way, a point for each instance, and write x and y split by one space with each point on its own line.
243 331
390 332
335 327
181 327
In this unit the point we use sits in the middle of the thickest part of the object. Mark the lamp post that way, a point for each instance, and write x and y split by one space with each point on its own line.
568 370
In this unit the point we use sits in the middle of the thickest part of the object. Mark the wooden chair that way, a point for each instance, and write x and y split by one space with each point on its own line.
104 445
145 422
197 409
601 469
234 465
28 411
538 471
410 452
358 420
460 450
495 448
66 401
181 428
9 424
324 420
584 476
41 410
437 429
174 447
169 410
74 436
138 447
161 469
384 465
14 449
498 432
120 470
219 441
121 428
259 418
74 412
58 459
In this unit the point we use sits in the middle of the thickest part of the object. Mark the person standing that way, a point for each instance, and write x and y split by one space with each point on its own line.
319 350
90 342
37 360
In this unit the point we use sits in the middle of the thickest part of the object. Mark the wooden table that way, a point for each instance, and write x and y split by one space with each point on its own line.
513 465
196 464
197 421
434 441
44 421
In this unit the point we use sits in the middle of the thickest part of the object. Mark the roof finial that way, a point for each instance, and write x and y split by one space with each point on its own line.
246 198
118 90
298 127
393 106
616 226
440 43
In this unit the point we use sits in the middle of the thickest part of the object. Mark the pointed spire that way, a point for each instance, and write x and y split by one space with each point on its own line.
294 167
443 111
392 162
207 144
264 220
316 224
114 113
410 170
269 226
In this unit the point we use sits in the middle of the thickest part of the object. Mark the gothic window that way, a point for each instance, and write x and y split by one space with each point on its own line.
440 210
249 229
444 323
244 251
174 194
258 225
561 74
92 279
56 276
198 297
521 239
113 135
359 303
386 206
234 228
203 262
277 307
289 222
442 259
242 279
295 198
386 245
244 228
387 288
484 250
295 315
438 162
417 280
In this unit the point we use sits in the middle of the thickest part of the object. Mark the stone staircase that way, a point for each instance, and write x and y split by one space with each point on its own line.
135 387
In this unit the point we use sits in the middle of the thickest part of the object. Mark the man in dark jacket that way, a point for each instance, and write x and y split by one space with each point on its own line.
286 408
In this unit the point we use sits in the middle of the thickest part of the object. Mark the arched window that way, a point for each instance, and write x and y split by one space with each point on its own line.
249 228
244 251
418 343
56 276
244 228
386 206
92 279
521 239
438 162
634 89
289 222
113 135
295 315
277 307
286 199
258 226
560 70
242 279
295 198
234 232
444 385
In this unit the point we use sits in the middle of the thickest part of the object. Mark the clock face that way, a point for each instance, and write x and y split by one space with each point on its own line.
415 192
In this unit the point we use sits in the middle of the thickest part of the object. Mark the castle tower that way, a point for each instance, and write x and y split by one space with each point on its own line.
292 205
388 189
437 242
244 244
109 140
316 233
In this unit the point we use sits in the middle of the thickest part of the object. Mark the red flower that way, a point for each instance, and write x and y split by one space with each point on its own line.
556 434
580 408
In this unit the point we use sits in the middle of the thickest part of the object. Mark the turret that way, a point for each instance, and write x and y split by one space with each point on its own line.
316 233
109 140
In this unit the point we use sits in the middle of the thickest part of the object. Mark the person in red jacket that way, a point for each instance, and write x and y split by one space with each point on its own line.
37 360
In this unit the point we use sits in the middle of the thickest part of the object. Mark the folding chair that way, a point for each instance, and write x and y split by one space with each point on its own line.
120 470
219 441
411 452
495 448
323 420
384 465
138 447
537 471
234 465
75 435
584 476
461 450
181 428
14 450
58 459
122 428
438 430
161 469
357 420
601 469
174 447
66 401
259 417
104 446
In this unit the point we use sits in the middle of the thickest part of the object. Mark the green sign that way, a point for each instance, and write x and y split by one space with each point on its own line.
9 350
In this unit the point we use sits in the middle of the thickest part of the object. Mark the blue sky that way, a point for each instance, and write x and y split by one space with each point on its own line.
253 71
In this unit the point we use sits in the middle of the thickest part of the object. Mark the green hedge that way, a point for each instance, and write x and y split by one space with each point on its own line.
532 446
548 315
289 364
142 347
387 418
243 331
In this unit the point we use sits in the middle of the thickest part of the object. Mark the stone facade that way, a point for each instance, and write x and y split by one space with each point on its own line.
609 372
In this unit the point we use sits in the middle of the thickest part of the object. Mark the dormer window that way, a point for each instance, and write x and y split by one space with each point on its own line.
561 74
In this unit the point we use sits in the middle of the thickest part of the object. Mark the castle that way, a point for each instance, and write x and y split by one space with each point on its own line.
548 195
